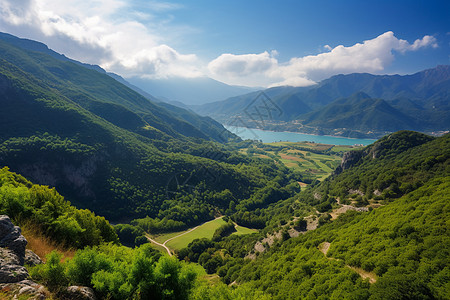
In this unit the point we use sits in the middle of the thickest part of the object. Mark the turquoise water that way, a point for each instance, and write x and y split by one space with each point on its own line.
272 136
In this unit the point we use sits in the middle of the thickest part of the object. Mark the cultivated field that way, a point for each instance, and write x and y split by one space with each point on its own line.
315 161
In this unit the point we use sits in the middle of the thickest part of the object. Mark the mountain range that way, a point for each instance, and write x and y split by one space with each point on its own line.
108 148
357 105
188 91
376 228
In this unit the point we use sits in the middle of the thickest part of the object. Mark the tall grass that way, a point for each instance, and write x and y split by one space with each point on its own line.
41 244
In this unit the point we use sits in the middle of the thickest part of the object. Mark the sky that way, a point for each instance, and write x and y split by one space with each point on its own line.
247 43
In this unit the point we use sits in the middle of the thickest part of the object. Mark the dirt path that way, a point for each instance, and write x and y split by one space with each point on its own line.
364 274
164 244
190 230
159 244
172 238
325 246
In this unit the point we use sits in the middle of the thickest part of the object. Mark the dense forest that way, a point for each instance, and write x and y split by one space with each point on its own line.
398 249
109 149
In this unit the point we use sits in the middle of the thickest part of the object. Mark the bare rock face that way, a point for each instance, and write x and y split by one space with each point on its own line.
11 238
348 160
27 289
32 259
13 275
12 252
79 293
11 272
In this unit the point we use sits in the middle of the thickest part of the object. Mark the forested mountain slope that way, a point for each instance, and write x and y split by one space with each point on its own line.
109 149
396 248
403 246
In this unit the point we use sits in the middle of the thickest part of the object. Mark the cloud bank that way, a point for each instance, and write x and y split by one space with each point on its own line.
371 56
128 40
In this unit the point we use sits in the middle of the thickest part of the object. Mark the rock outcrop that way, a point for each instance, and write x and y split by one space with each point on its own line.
11 238
79 293
349 159
13 255
14 276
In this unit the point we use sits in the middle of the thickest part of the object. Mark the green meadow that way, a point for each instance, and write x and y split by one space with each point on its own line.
179 240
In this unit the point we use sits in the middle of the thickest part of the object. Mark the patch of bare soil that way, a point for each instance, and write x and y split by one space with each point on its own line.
312 222
365 274
324 247
344 208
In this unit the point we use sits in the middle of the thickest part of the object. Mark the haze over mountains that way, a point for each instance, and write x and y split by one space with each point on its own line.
189 91
355 105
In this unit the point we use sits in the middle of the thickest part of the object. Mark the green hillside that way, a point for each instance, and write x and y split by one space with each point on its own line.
109 149
362 113
405 245
398 248
388 169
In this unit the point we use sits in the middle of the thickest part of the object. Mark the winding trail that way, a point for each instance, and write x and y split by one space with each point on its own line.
159 244
168 240
325 246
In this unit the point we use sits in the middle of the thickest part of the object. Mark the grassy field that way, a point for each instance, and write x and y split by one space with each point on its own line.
244 230
161 238
179 240
205 230
343 148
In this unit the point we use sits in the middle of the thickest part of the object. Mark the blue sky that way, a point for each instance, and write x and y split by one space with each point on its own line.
255 43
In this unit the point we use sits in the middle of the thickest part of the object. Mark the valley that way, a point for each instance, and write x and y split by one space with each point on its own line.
129 197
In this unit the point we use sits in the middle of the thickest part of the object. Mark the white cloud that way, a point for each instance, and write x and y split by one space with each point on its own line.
242 65
294 81
424 42
100 32
369 56
157 62
129 41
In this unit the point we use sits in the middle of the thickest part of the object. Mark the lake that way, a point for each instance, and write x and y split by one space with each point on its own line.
272 136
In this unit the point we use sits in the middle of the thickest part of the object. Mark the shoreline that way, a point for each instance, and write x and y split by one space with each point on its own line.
303 133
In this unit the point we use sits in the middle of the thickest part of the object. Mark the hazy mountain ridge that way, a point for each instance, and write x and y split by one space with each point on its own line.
416 102
189 91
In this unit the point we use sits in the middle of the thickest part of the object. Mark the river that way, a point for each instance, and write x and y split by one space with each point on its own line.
272 136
